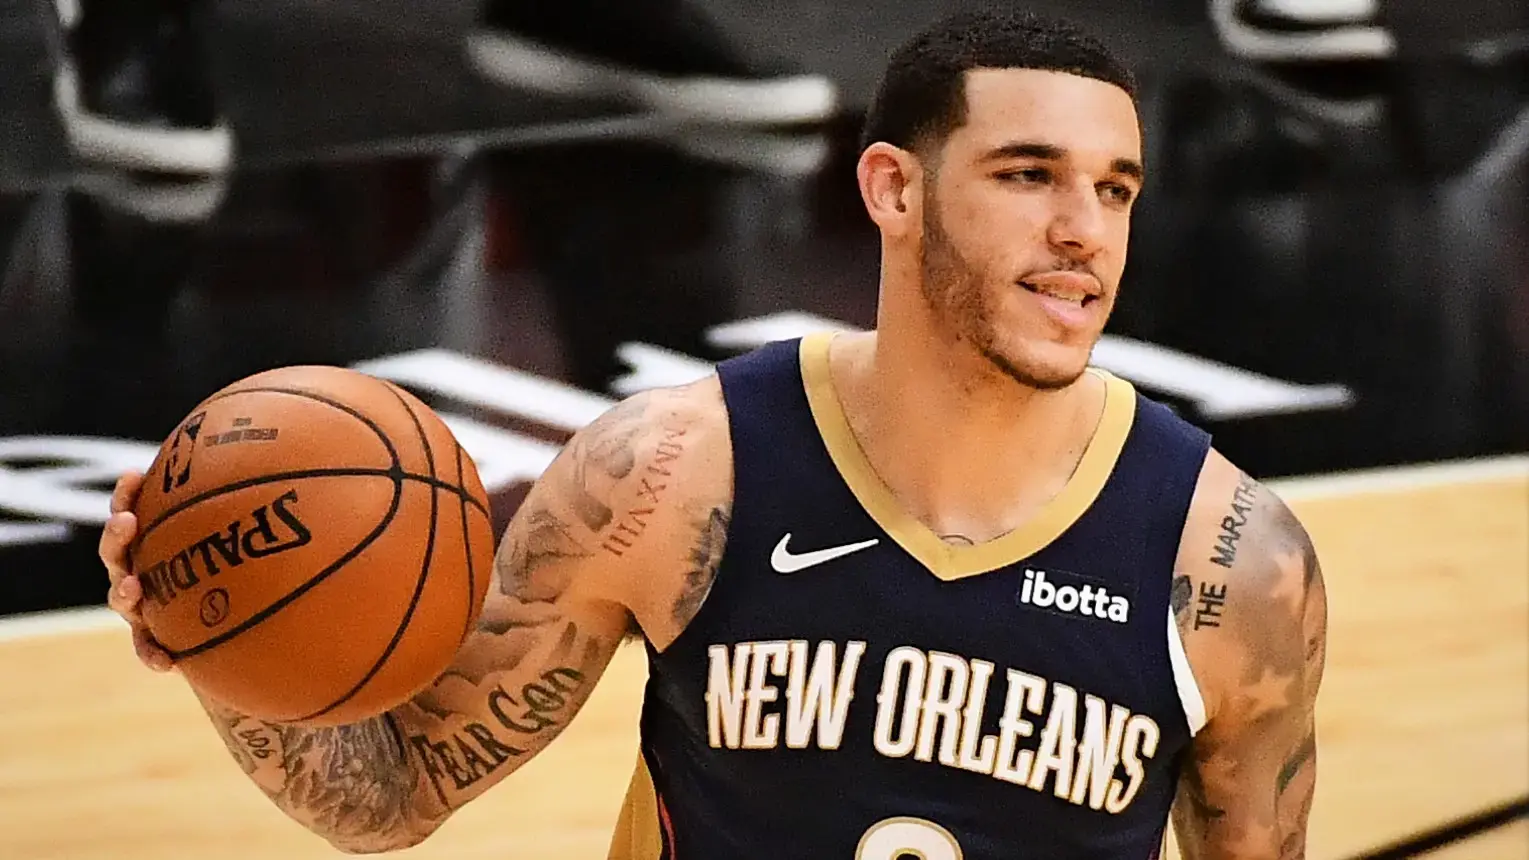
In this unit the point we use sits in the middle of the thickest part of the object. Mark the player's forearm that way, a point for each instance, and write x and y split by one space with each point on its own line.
355 785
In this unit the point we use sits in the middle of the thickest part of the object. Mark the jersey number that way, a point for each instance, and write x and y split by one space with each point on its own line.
904 838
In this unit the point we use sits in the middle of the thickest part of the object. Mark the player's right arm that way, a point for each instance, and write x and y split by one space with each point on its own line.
625 526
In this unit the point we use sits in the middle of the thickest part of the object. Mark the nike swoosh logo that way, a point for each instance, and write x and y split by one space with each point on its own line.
786 561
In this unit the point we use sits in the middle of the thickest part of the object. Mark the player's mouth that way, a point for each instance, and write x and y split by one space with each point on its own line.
1072 287
1071 299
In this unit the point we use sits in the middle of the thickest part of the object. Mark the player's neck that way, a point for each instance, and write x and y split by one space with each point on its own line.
963 450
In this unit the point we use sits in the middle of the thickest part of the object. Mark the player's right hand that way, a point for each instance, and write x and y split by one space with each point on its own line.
126 591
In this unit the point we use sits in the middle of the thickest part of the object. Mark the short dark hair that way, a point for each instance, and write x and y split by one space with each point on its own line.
922 95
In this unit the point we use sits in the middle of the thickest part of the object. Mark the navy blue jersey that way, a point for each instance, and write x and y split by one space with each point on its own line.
856 688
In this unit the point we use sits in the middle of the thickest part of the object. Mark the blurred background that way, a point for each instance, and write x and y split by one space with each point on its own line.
522 210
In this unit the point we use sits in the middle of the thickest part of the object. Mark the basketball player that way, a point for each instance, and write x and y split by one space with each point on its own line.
939 590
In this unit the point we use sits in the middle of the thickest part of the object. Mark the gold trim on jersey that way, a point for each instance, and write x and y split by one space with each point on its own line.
637 836
951 561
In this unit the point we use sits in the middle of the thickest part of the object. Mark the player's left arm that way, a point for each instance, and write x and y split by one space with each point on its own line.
1252 607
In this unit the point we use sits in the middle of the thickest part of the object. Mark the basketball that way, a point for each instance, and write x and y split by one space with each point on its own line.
313 546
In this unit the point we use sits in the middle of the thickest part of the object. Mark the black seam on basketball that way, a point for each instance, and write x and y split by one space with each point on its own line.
467 547
293 595
304 474
460 489
419 583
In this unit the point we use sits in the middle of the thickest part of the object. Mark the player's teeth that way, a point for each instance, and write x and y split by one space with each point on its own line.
1066 297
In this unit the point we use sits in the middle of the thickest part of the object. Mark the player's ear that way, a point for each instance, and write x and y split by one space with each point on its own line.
889 185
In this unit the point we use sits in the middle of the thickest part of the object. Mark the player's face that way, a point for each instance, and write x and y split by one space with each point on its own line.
1027 216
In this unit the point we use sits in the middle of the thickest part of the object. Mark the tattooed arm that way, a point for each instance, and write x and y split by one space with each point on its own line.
625 526
1251 605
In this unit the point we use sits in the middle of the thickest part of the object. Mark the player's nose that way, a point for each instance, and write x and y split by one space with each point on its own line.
1078 226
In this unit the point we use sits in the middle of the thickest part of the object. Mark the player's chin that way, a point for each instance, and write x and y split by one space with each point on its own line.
1053 376
1045 365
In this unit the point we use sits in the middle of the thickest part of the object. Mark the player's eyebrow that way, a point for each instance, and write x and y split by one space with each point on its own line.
1051 152
1129 167
1025 149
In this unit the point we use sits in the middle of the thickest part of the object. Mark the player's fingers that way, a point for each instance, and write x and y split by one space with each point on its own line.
125 494
115 539
150 653
124 598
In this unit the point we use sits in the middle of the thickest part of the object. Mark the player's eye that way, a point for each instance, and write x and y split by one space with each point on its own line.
1027 174
1118 193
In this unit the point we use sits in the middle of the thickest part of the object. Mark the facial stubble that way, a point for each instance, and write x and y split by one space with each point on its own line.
953 289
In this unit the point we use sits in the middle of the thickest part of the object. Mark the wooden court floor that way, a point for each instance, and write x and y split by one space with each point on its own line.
1424 717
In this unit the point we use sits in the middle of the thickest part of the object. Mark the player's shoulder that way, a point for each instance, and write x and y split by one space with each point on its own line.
639 487
677 432
1247 574
1236 522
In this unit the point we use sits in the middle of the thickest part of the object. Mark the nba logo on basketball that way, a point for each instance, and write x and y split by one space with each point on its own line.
1089 600
176 471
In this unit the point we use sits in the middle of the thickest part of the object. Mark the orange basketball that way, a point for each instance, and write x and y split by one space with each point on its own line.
313 545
